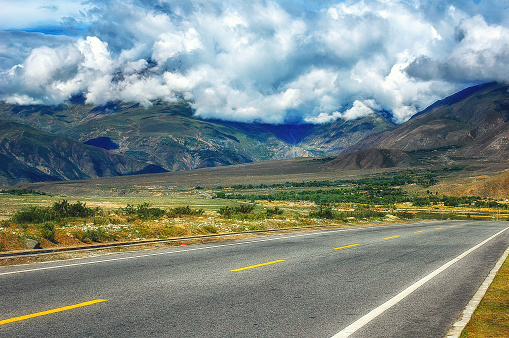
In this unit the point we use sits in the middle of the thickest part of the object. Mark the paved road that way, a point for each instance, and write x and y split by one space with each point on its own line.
316 285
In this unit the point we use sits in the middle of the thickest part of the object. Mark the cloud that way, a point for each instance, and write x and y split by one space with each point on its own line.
480 55
262 60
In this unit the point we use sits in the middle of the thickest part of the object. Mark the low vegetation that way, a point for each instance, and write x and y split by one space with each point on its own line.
390 197
491 317
378 190
21 192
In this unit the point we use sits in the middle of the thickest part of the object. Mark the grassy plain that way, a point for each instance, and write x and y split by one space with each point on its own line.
287 194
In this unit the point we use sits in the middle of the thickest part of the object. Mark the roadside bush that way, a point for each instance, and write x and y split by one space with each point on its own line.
56 212
34 215
65 209
95 235
185 211
48 231
210 229
274 212
226 211
129 210
242 209
145 211
323 211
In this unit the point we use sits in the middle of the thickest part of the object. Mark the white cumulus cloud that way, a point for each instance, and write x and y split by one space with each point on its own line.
271 61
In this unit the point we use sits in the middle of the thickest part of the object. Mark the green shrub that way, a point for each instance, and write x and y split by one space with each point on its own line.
275 211
185 211
129 210
210 229
145 211
95 235
220 194
241 209
226 211
78 209
34 215
323 211
48 231
56 212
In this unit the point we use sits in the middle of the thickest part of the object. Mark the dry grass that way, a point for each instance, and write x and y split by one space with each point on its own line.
491 319
492 186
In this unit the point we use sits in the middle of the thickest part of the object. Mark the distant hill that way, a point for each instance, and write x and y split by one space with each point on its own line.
75 140
168 137
372 159
27 154
472 124
493 186
335 137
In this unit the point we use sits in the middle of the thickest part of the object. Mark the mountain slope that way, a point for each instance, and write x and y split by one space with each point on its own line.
473 123
372 159
334 137
27 154
169 136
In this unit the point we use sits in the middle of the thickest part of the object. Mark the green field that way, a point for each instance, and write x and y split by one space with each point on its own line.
260 196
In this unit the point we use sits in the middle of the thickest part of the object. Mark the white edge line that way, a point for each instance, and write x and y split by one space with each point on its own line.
459 325
359 323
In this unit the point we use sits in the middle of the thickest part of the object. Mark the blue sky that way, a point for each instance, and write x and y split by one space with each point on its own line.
264 61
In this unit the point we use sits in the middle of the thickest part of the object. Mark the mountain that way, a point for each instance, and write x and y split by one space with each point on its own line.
372 159
472 124
167 137
27 154
75 140
335 137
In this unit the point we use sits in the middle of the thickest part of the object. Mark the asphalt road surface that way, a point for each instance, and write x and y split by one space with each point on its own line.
307 284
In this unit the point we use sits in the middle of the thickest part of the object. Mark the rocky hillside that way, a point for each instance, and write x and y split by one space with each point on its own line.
27 154
473 123
168 137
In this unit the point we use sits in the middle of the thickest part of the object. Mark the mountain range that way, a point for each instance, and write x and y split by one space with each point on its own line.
75 140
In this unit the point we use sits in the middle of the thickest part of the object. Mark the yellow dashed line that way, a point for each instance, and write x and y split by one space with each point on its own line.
346 246
258 265
43 313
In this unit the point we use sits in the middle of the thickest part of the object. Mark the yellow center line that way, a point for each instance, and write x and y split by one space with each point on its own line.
419 231
391 237
346 246
438 228
43 313
258 265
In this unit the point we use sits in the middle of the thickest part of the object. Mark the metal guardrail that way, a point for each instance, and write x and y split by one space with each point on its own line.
39 252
